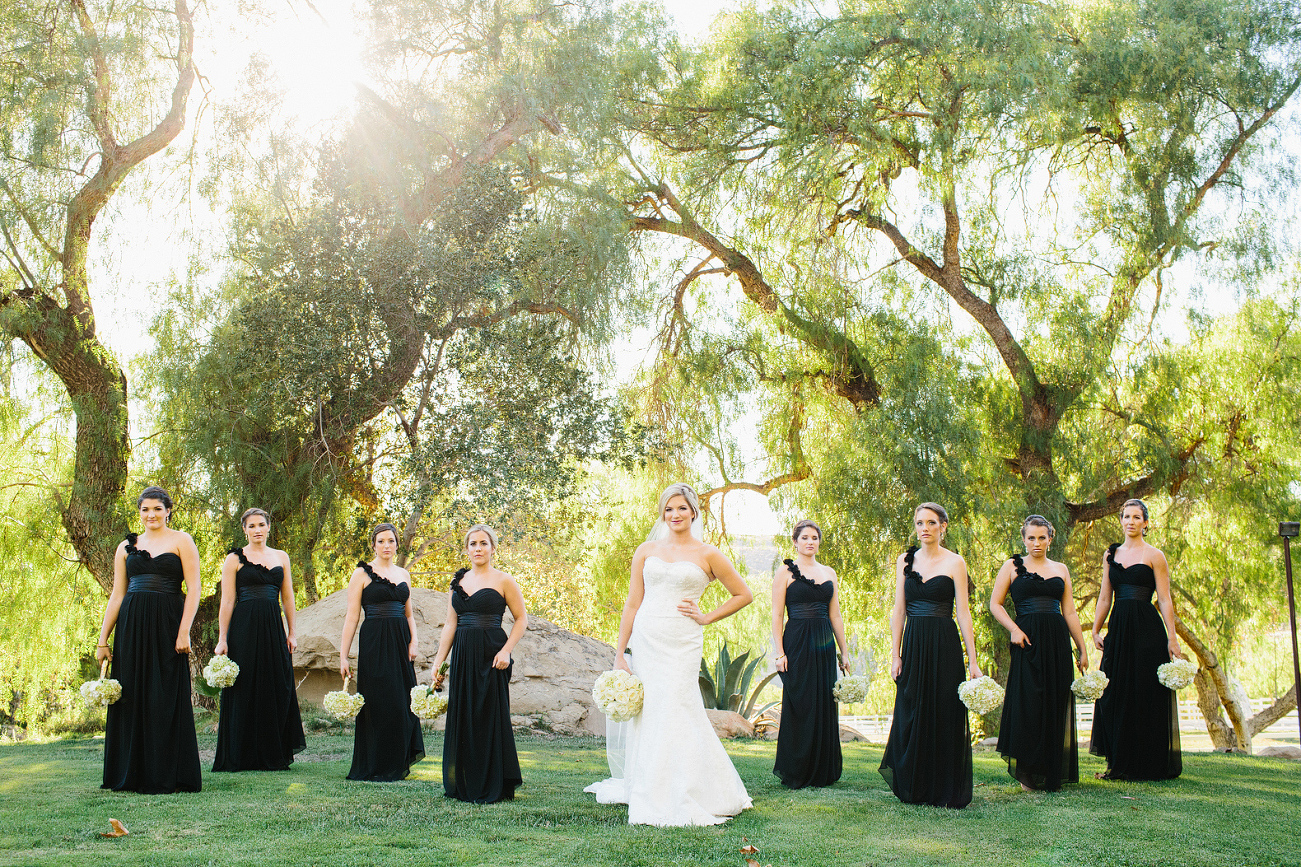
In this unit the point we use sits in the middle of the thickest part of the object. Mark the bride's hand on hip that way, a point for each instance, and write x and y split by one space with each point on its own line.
688 608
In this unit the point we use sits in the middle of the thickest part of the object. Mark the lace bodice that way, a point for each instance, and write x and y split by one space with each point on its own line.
668 583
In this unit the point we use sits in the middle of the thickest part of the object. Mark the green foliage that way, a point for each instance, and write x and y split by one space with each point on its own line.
727 686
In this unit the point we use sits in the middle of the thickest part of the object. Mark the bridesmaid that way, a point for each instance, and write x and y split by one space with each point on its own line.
479 760
928 753
388 739
808 740
260 727
1136 721
1037 732
149 741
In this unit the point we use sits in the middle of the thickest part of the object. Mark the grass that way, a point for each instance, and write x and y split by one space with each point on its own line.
1225 810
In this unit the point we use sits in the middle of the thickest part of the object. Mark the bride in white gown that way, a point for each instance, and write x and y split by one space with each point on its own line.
675 770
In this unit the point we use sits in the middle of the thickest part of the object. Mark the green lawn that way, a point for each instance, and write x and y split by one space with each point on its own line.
1231 811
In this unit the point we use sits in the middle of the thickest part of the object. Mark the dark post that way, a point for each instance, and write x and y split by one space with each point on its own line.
1289 531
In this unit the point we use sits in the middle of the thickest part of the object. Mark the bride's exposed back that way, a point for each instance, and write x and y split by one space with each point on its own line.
674 770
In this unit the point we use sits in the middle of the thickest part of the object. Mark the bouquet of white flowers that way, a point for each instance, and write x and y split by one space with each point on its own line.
101 692
618 694
1176 674
343 705
851 688
427 704
981 695
1090 685
220 672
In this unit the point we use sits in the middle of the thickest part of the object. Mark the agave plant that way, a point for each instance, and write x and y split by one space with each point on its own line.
727 685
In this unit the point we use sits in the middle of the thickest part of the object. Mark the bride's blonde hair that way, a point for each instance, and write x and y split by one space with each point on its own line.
678 489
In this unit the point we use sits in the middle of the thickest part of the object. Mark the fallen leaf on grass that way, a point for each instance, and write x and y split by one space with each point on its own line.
749 850
119 830
1129 797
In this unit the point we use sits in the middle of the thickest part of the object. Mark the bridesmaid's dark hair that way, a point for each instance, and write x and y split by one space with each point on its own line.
795 533
380 528
1039 521
248 513
934 507
153 492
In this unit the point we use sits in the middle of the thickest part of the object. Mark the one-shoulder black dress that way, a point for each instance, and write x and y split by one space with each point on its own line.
1037 732
479 759
260 728
808 740
1136 721
149 741
388 740
927 756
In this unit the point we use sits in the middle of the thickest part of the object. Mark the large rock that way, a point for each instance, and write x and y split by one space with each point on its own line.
729 724
550 687
1283 751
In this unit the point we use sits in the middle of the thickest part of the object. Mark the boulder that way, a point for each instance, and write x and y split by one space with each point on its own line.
848 734
1281 752
729 724
551 682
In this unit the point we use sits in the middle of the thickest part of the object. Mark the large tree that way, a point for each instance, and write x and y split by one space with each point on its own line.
90 91
952 225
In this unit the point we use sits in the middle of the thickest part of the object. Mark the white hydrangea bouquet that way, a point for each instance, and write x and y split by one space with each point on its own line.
427 704
1090 685
618 694
343 705
220 672
982 695
1176 674
851 689
101 692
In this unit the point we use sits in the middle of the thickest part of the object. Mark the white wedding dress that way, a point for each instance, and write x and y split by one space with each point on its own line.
675 770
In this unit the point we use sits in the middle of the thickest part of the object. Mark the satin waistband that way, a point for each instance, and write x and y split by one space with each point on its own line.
1134 591
928 608
807 610
254 592
148 582
385 609
1039 605
475 620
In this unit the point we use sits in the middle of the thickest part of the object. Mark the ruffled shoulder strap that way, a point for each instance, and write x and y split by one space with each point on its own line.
456 580
239 552
908 570
1019 563
131 543
374 576
1111 554
797 574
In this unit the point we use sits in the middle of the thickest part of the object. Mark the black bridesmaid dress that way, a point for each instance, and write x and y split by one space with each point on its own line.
149 742
808 740
1136 721
479 759
1037 732
388 740
928 753
260 728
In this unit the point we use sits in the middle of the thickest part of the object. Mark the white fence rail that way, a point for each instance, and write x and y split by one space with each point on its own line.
876 727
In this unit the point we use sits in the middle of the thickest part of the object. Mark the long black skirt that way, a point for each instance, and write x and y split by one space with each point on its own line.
927 757
1136 721
260 728
388 740
1036 734
149 741
479 759
808 741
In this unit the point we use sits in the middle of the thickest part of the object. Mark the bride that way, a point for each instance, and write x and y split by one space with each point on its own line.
675 771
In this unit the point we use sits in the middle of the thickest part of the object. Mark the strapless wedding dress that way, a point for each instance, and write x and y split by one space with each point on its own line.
675 770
